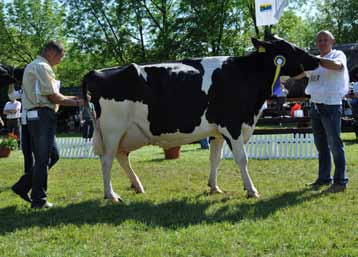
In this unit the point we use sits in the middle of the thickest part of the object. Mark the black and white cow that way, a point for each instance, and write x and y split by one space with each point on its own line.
171 104
10 75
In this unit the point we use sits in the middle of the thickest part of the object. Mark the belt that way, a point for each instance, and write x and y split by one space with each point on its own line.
317 105
40 108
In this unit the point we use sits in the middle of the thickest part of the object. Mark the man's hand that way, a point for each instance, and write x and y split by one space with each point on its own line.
61 99
300 76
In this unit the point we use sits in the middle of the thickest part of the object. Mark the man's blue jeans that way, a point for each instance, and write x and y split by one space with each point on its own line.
42 131
24 184
326 127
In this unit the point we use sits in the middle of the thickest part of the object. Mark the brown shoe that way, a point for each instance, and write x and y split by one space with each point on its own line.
336 188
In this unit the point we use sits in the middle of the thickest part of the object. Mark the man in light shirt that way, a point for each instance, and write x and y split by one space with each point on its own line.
24 184
327 85
12 110
41 98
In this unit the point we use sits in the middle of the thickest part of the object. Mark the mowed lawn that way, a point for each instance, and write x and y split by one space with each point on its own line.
176 216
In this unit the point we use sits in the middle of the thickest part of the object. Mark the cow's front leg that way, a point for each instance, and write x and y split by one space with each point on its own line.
240 158
106 161
216 145
123 159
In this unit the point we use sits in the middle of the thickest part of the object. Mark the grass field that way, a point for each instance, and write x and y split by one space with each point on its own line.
176 216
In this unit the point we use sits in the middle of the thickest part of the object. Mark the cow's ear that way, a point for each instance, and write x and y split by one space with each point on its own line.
259 45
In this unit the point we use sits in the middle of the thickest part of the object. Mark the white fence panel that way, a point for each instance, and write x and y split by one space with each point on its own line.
285 146
75 147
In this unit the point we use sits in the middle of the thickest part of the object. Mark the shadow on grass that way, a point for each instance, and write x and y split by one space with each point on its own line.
194 150
171 214
350 141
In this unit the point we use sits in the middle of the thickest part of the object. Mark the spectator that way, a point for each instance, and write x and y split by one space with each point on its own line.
86 119
354 106
204 143
354 102
12 111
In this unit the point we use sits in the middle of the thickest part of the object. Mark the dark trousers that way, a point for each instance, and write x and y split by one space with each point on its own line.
13 126
87 129
24 184
42 133
326 128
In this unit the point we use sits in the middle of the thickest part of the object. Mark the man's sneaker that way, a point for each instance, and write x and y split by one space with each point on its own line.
24 195
336 188
46 205
319 183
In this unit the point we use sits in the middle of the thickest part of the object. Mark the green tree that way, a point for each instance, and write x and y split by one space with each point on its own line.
295 29
27 25
214 27
100 29
340 17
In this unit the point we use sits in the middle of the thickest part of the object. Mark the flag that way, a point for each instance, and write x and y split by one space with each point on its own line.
280 5
269 11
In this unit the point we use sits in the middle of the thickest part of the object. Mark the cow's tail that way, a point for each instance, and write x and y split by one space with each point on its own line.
98 146
86 98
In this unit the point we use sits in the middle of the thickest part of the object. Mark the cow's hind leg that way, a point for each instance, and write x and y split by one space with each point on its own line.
240 158
106 162
110 146
215 158
123 159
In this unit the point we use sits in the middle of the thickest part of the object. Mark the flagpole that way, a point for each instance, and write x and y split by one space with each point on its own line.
267 32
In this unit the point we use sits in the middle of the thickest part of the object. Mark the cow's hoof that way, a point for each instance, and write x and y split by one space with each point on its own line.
253 194
117 200
138 189
114 199
215 190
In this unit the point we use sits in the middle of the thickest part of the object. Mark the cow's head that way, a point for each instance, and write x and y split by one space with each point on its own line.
10 75
293 60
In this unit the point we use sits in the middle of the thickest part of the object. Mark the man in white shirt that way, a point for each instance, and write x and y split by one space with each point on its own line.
327 85
12 111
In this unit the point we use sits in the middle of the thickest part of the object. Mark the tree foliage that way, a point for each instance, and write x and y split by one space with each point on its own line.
340 17
26 25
